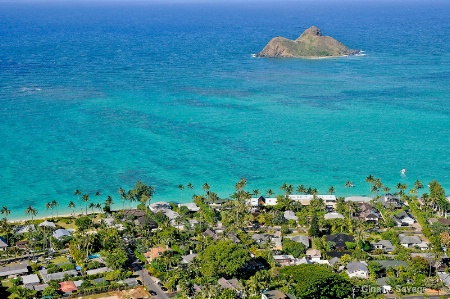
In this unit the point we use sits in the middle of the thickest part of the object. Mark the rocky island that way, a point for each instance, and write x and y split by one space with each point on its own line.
310 44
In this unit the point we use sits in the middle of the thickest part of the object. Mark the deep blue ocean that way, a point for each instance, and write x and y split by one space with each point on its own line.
94 96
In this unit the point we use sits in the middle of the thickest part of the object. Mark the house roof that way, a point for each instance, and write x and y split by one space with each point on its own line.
276 294
22 244
232 284
334 260
409 239
170 214
313 253
356 266
385 243
260 237
130 281
290 215
283 257
67 286
155 252
21 229
301 239
392 263
333 215
145 221
188 258
160 205
445 278
56 276
192 207
98 271
210 233
358 198
134 213
16 269
3 243
98 280
30 279
47 224
59 233
40 287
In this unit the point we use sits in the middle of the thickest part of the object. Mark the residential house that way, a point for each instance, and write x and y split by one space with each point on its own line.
385 264
47 224
98 271
17 269
22 244
367 212
358 199
133 213
276 294
231 284
186 259
385 287
260 238
357 269
445 278
305 199
192 207
277 245
390 202
154 253
412 241
22 229
145 222
131 282
67 287
404 219
339 240
333 215
290 215
443 221
211 234
56 276
159 206
284 260
314 255
3 244
61 233
30 280
384 245
301 239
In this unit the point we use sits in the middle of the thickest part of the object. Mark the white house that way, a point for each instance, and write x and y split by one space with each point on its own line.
333 215
404 219
314 255
305 199
357 269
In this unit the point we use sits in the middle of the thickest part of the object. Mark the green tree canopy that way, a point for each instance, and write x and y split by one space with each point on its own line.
316 281
294 248
223 258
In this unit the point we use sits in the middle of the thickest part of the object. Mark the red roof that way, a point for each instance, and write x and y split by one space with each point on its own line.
68 286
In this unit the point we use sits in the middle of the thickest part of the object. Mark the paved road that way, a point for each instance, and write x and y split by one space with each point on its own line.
147 280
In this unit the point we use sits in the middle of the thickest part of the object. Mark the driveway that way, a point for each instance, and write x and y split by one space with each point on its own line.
148 280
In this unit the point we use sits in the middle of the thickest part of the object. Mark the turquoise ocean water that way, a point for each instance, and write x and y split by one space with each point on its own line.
97 96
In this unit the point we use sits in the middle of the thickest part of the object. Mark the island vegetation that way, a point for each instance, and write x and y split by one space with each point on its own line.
310 44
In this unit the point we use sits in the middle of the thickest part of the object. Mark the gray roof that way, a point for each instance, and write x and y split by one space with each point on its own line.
188 258
260 237
21 229
130 281
97 271
192 207
99 280
391 263
170 214
275 294
78 283
333 215
409 239
356 266
40 287
334 260
56 276
387 245
290 215
382 281
59 233
232 284
21 268
3 243
30 279
47 224
445 278
358 198
301 239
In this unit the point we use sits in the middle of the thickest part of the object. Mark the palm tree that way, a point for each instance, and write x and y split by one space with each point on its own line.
72 206
5 211
418 185
55 204
301 189
386 190
123 196
370 179
181 187
256 192
348 184
98 206
77 193
269 192
92 206
49 206
331 190
31 211
86 199
190 186
206 187
109 201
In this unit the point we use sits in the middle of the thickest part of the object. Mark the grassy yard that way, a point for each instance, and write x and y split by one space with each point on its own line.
60 260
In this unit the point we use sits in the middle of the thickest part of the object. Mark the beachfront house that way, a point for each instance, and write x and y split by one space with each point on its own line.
22 229
389 201
61 233
358 199
366 212
333 215
305 199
